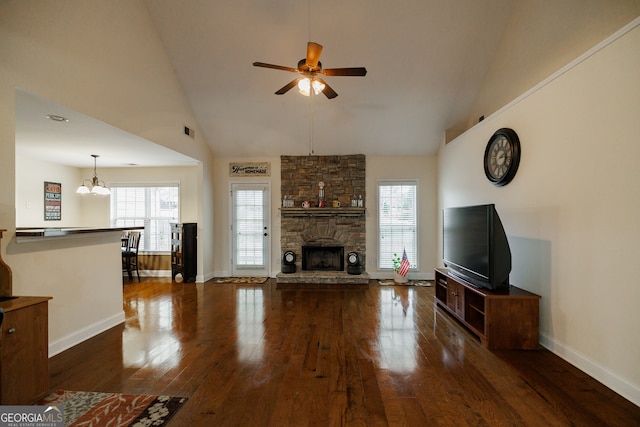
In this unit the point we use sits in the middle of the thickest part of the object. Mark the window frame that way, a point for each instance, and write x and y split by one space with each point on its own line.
415 263
147 219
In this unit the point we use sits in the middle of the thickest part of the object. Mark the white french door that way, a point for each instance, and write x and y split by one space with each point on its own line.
250 231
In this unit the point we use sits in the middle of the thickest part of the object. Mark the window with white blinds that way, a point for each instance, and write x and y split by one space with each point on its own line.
152 206
397 222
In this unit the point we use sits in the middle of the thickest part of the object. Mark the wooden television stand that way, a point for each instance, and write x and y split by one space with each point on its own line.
503 319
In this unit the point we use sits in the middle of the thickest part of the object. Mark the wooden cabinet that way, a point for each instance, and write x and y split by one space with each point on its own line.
502 319
24 361
184 250
455 298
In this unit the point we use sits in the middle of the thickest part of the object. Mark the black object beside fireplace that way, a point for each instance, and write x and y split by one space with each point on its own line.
323 258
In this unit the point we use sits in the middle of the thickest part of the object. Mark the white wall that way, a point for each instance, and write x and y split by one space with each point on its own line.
571 211
425 171
30 177
88 210
97 208
541 37
77 54
222 212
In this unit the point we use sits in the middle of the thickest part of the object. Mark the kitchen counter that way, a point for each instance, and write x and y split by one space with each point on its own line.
34 234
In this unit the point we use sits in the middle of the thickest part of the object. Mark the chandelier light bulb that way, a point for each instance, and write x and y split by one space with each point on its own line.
83 189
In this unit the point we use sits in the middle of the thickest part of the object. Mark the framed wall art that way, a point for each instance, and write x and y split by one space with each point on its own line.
52 201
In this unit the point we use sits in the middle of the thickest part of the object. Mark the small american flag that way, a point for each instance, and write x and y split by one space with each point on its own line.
404 265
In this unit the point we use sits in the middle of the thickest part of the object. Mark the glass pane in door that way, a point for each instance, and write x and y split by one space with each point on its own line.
250 229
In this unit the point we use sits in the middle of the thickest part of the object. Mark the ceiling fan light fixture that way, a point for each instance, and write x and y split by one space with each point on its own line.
310 66
317 86
305 85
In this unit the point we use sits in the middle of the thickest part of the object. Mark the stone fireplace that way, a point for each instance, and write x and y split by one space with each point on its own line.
321 237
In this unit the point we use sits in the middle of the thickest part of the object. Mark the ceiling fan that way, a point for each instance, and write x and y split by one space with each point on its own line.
310 67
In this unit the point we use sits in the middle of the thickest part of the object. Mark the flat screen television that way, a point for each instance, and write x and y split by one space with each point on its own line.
475 246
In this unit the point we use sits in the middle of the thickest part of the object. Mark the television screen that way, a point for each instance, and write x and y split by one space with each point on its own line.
475 245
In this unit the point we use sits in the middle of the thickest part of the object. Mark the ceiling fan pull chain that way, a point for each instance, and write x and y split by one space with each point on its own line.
311 150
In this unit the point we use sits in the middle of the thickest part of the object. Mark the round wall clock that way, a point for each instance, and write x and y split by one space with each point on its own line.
502 156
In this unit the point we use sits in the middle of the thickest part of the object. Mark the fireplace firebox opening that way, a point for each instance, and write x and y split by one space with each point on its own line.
323 258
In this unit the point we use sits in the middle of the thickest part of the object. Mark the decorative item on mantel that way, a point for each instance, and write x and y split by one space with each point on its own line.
288 202
321 195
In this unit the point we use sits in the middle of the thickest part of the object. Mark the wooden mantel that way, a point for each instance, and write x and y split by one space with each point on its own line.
322 212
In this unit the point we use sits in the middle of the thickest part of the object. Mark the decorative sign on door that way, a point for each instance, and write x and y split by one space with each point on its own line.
52 201
250 169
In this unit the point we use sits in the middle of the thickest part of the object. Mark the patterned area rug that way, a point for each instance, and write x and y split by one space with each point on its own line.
409 283
249 280
87 408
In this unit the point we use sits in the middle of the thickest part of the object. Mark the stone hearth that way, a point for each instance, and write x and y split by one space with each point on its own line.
323 277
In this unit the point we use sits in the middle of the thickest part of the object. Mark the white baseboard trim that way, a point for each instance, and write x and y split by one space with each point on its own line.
167 273
411 276
150 273
594 369
205 277
386 275
85 333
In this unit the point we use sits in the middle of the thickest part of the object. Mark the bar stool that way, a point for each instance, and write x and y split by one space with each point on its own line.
130 255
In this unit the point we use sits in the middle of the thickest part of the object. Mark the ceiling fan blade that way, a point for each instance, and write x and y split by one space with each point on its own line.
328 91
355 71
313 54
275 67
286 88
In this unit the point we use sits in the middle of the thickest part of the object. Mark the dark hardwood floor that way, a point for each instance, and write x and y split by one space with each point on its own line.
369 355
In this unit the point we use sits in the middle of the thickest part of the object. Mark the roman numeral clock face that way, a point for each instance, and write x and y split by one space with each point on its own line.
502 157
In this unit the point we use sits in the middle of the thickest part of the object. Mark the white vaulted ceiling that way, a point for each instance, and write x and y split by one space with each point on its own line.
432 65
426 61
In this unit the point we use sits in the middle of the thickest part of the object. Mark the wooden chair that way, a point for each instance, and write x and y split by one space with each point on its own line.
124 240
130 255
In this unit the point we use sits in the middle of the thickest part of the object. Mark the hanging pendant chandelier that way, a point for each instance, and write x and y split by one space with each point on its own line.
94 185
